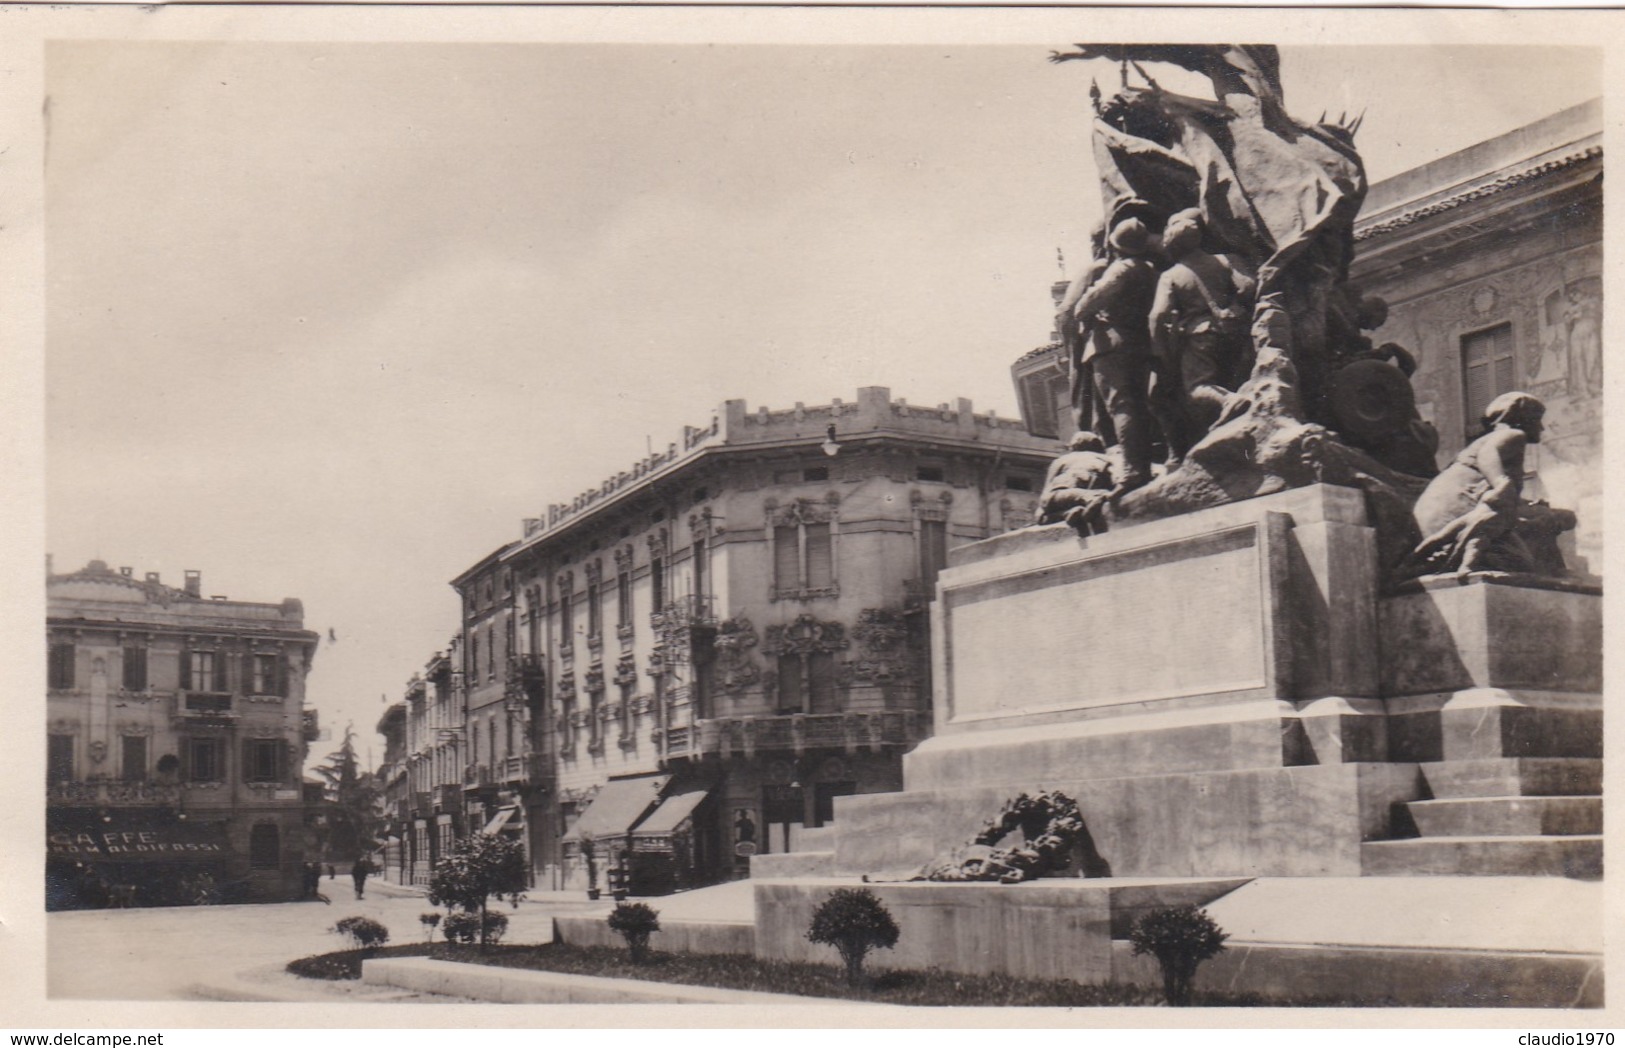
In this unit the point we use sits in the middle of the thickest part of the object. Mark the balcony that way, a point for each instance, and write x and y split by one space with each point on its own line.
476 776
797 733
446 799
207 704
310 725
112 793
510 770
527 677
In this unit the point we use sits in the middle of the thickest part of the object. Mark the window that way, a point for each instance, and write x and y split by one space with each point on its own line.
60 668
803 559
473 656
623 599
264 846
595 608
268 677
595 723
815 473
263 760
701 569
59 758
205 761
934 474
791 697
1488 370
933 551
135 669
657 583
1016 482
807 683
626 711
567 617
490 653
820 555
199 672
133 766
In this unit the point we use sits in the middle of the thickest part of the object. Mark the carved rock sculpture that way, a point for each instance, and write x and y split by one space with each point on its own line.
1052 830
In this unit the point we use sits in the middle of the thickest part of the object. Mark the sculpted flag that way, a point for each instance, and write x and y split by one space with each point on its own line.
1267 184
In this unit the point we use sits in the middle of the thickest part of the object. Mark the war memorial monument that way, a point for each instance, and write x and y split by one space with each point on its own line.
1270 652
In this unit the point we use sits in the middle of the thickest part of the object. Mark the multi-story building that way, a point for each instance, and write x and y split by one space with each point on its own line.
1490 260
505 774
719 641
424 800
176 734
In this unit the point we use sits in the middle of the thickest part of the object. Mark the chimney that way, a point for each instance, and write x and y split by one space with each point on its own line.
152 577
194 583
127 572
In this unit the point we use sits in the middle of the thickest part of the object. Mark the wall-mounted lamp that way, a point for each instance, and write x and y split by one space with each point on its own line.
830 445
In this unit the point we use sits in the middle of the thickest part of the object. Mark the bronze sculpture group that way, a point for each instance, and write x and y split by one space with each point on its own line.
1216 322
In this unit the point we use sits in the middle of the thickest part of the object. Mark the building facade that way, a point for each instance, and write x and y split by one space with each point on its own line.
176 735
718 642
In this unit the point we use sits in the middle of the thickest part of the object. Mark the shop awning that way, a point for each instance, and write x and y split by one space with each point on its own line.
122 841
673 812
618 806
500 819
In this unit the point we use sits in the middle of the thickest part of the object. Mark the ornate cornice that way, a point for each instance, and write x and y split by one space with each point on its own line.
1479 192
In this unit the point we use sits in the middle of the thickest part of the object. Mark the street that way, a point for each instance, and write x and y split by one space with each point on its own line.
238 953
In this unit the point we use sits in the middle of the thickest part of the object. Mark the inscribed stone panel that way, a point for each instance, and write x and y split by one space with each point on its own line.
1182 619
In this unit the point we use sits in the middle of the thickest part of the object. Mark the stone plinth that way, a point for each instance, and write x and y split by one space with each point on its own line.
1305 821
1268 599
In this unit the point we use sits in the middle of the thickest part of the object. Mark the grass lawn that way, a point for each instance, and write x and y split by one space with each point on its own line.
735 972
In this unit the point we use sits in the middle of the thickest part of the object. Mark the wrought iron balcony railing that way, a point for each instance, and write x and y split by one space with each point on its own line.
851 732
111 793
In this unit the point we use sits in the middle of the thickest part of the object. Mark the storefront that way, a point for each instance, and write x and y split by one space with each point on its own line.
97 860
600 840
668 853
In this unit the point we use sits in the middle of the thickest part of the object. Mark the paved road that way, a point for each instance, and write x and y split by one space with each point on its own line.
237 953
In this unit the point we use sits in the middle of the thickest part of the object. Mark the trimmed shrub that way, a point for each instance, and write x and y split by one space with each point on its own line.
429 921
464 926
635 921
365 932
853 921
1180 938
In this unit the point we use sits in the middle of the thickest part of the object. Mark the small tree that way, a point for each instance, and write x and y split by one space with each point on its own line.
853 921
1180 938
635 921
429 921
477 867
589 855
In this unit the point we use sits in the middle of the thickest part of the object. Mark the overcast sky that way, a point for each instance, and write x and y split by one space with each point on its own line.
327 321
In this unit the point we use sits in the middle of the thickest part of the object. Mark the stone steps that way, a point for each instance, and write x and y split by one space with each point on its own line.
1514 777
1578 856
1507 816
794 864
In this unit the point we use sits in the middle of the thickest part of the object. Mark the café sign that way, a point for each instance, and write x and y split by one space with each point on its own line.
118 844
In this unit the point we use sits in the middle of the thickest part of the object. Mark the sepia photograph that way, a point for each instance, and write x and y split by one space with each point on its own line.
820 516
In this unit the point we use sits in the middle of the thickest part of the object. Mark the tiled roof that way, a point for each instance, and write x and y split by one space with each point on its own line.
1479 192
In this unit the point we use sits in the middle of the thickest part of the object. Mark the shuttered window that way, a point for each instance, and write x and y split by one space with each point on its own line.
1488 370
820 556
933 550
135 669
59 758
133 766
264 760
61 666
821 683
787 557
790 684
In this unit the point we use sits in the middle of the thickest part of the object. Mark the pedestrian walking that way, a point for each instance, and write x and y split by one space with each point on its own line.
358 873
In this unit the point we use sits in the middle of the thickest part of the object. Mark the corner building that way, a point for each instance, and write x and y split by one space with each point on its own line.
176 733
708 649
